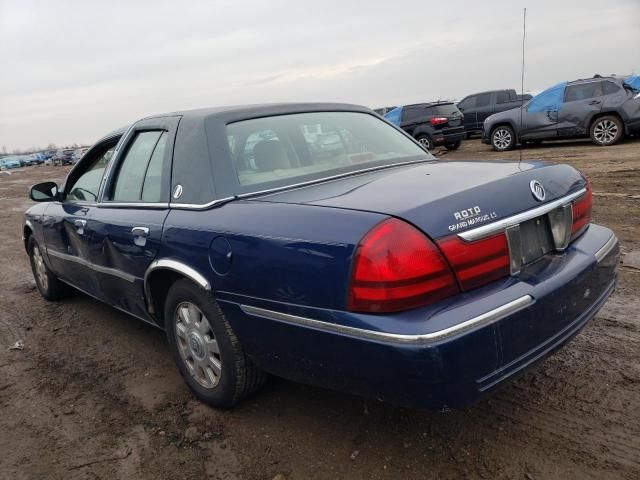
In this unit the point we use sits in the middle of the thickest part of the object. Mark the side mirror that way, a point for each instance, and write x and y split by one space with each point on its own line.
44 192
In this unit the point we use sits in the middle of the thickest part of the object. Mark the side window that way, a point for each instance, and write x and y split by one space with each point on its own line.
483 100
609 88
469 102
85 188
135 166
502 97
583 91
152 183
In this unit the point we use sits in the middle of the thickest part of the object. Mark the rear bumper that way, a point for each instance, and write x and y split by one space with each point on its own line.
443 356
444 138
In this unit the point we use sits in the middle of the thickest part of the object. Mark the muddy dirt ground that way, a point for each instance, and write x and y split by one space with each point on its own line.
95 395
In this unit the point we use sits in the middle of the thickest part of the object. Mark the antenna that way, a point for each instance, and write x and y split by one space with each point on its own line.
524 37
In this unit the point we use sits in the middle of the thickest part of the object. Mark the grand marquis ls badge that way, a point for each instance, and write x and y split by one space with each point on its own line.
538 190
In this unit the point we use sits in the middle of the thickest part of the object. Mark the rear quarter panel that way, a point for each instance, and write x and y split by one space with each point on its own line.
281 252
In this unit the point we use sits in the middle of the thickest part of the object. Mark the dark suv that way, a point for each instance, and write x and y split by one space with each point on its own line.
478 106
604 108
431 124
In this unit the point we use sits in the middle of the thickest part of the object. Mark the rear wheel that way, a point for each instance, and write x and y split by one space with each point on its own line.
425 141
205 348
49 286
607 131
453 146
503 138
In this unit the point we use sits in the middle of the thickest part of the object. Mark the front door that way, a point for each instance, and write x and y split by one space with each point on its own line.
128 221
540 115
67 223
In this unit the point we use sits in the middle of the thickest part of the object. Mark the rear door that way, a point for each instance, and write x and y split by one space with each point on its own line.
127 224
412 117
581 103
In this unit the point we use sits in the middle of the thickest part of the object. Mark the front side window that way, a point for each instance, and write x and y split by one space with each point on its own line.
139 176
469 102
85 188
549 100
583 91
282 150
483 100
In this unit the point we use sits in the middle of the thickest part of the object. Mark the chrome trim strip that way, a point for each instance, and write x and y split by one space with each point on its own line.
500 225
606 248
204 206
176 266
98 268
150 205
418 339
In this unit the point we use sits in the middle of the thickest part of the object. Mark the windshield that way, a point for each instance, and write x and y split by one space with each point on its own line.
284 150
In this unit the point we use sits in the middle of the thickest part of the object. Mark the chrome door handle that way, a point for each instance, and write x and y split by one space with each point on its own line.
80 225
140 235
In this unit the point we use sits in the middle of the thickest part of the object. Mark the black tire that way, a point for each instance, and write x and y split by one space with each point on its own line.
606 131
425 141
49 286
238 376
503 138
453 146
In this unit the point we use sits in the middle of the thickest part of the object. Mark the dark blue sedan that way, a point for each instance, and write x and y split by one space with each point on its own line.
363 264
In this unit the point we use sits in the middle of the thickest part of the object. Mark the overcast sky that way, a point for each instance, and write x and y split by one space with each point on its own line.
73 71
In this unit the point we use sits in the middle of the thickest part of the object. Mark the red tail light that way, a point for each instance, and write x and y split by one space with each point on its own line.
479 262
396 267
581 209
439 120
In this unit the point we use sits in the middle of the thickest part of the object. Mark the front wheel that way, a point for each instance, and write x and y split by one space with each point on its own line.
503 138
453 145
607 131
49 286
425 141
205 348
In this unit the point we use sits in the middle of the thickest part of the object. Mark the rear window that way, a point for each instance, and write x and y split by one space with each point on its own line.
446 110
283 150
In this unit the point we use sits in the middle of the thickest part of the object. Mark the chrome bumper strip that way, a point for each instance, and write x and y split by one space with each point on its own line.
500 225
476 322
606 248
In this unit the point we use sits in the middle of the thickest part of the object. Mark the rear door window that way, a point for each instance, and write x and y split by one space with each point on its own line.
139 175
413 114
583 91
503 97
445 110
609 88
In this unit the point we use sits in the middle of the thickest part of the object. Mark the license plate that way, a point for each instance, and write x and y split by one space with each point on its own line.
536 239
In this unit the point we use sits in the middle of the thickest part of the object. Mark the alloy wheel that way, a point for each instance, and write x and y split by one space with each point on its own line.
197 345
605 131
424 141
502 138
41 269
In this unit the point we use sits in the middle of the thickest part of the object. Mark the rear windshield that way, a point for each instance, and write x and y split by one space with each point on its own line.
446 110
283 150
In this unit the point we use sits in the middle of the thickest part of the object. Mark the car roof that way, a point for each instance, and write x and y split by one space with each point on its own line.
429 104
259 110
596 78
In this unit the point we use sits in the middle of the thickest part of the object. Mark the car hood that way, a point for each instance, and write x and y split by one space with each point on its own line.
435 195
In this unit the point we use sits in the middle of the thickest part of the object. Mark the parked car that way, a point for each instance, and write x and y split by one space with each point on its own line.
477 107
383 111
63 157
379 271
603 108
78 153
7 163
431 124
